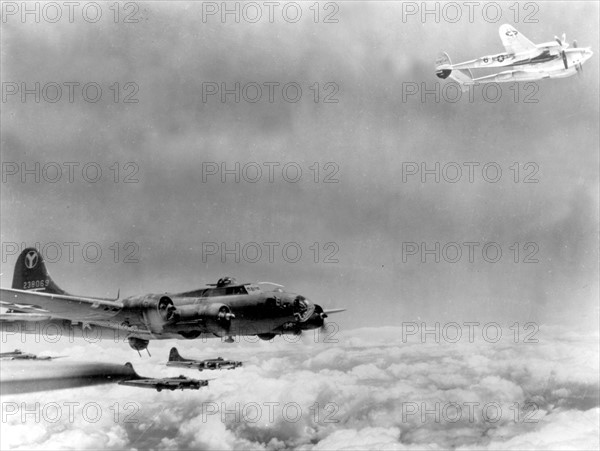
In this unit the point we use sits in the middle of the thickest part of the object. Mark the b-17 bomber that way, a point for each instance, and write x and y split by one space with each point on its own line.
17 354
164 383
219 363
225 309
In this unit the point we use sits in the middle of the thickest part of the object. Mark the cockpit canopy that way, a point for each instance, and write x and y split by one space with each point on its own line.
223 281
225 286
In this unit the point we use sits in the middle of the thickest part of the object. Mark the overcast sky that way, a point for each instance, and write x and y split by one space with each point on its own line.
369 135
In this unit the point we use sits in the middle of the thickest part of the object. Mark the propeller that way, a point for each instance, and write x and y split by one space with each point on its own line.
564 58
578 66
564 45
561 41
325 313
323 328
225 314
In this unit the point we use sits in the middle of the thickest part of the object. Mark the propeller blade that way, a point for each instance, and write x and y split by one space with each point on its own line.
564 58
575 44
335 310
558 40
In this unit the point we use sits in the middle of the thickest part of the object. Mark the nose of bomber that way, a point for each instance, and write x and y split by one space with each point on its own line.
316 319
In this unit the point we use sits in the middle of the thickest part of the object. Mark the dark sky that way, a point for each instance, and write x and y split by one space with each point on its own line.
370 54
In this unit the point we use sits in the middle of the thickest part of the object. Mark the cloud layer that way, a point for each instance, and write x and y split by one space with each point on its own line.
368 391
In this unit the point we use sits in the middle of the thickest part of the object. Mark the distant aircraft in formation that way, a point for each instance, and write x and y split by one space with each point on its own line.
526 61
29 373
225 309
17 354
219 363
163 383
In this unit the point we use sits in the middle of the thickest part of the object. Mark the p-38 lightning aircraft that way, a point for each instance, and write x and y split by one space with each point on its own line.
525 61
225 309
209 364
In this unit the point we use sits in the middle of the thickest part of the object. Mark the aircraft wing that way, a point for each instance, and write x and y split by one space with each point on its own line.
160 384
513 41
141 382
59 306
513 75
187 364
50 357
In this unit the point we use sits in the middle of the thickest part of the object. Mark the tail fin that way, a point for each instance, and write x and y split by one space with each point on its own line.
30 273
174 355
131 372
463 77
443 69
443 66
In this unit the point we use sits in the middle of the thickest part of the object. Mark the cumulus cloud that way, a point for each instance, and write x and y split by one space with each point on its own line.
367 391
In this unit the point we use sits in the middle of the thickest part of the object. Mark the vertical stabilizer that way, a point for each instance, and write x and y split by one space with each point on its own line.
31 274
174 356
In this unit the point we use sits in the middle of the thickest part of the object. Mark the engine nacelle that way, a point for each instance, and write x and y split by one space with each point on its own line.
214 318
155 310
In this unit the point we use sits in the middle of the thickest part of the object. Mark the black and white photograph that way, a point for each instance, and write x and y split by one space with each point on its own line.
300 225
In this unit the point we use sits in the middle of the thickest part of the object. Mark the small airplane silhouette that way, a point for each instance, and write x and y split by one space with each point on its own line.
219 363
164 383
17 354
